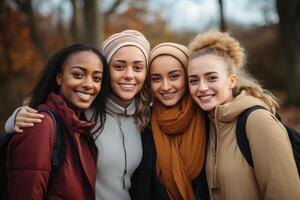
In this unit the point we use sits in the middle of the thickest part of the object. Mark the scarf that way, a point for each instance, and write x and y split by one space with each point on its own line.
179 136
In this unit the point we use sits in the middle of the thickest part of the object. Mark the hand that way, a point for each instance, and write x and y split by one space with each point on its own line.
26 117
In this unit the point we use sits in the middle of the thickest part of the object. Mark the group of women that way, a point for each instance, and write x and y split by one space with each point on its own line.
162 126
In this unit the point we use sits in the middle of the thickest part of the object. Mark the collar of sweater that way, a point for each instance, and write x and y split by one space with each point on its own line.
112 107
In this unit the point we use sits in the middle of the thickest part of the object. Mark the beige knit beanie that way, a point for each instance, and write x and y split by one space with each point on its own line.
178 51
125 38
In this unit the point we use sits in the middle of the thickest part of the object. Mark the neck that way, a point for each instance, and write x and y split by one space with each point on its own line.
119 101
76 110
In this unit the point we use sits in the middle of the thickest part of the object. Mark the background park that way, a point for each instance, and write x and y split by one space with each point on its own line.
32 30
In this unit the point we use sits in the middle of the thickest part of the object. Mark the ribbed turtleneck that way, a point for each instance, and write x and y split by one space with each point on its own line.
119 150
117 106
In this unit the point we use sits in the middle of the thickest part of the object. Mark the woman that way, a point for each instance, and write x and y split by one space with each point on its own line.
219 84
70 82
127 107
174 152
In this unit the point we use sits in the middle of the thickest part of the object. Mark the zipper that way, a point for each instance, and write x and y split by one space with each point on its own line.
215 145
124 150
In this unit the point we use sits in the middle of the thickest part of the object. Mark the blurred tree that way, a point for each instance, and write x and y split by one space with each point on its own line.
289 25
87 21
222 18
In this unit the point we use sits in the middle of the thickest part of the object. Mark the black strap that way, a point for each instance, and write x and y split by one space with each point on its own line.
241 136
58 146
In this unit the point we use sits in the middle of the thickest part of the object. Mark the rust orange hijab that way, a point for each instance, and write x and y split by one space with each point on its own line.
179 136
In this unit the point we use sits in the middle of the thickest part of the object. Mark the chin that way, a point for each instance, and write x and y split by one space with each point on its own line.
83 106
168 104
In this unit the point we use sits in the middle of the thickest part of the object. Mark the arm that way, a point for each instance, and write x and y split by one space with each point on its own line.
22 117
274 163
29 161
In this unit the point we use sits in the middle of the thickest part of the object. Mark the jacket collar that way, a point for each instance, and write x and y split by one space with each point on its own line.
57 104
229 112
113 108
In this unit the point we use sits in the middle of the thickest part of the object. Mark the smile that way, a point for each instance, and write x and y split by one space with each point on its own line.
168 95
206 98
84 96
127 86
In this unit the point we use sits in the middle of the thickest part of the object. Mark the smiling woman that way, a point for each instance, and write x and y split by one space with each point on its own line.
80 80
220 85
127 73
70 82
174 146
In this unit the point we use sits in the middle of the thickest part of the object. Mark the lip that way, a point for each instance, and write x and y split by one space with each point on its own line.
85 96
206 97
168 95
127 86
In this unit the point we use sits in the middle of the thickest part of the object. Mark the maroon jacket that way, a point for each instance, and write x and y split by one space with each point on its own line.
29 158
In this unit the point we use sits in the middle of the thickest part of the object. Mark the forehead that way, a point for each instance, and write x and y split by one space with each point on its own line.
165 64
207 63
83 56
129 53
84 59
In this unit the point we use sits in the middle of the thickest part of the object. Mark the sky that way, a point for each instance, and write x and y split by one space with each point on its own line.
196 15
200 14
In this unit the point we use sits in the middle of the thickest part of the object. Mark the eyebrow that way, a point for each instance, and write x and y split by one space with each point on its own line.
137 61
206 74
173 71
84 69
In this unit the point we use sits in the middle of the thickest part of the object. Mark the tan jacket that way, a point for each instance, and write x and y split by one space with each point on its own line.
229 175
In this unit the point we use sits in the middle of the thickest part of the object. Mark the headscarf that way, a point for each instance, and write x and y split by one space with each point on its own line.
125 38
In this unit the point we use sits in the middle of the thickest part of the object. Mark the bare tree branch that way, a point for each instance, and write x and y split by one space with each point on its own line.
112 9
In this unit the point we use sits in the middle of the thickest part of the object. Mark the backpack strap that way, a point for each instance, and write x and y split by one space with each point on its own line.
58 152
241 136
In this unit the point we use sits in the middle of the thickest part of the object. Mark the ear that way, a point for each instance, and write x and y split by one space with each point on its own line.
232 80
59 79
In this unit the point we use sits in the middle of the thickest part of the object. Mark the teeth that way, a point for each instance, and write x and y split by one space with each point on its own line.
84 96
206 97
167 95
127 86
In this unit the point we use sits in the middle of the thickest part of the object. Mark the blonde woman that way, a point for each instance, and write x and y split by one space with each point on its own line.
219 84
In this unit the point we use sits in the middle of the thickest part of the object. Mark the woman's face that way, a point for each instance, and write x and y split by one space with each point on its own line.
167 80
80 79
209 83
127 70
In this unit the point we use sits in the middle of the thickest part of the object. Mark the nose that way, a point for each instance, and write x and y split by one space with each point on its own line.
165 86
88 82
202 86
128 74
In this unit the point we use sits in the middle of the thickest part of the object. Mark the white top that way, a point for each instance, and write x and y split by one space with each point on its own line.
120 136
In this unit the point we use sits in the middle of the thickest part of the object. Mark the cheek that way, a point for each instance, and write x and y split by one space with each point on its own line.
99 86
153 86
192 88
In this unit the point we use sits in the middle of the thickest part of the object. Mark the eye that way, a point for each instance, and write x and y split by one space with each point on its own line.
174 77
155 78
77 75
193 81
118 67
138 68
97 78
212 78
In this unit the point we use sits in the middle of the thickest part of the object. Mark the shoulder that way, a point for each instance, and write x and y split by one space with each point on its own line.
263 125
40 132
47 123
